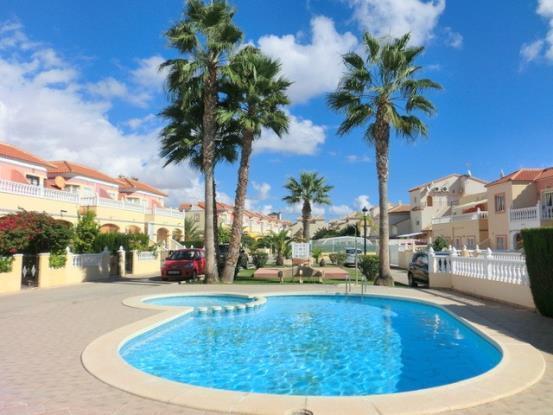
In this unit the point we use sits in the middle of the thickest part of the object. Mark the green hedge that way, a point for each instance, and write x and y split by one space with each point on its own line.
6 263
114 240
369 265
196 243
538 247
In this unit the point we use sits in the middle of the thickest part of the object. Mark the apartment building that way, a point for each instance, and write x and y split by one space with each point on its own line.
438 198
519 200
65 189
256 224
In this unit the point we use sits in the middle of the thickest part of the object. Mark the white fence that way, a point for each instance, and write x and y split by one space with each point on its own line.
459 218
7 186
87 260
146 256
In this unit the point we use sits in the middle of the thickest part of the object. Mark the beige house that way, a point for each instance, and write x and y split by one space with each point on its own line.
64 189
316 223
522 199
437 198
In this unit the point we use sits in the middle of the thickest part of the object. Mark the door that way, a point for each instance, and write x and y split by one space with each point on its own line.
29 271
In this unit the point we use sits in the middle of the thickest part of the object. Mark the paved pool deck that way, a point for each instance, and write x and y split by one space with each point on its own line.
43 333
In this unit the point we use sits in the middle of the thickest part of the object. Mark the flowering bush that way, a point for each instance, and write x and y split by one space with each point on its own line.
33 233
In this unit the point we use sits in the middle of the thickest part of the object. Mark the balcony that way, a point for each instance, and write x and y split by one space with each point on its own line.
168 212
96 201
529 217
23 189
460 218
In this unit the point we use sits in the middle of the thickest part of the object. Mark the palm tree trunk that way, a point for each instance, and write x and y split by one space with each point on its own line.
215 221
382 145
239 203
306 219
210 103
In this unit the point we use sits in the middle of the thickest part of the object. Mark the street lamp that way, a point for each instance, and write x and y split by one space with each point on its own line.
365 211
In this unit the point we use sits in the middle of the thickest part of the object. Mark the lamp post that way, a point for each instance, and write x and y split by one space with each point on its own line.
365 211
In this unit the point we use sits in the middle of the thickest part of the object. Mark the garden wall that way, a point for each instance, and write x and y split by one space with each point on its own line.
11 281
77 269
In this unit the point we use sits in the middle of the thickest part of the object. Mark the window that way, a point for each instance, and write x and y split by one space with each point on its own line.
135 200
500 243
457 243
471 243
547 198
34 180
499 202
429 201
72 188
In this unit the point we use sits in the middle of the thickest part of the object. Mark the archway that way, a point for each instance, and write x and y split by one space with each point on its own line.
517 241
109 227
133 229
162 235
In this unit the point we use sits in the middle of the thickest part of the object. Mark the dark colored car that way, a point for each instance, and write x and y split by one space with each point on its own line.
223 253
418 269
184 264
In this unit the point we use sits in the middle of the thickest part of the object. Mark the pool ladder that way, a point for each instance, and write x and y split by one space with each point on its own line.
364 282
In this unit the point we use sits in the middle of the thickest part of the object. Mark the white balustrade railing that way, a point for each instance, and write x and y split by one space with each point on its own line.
547 212
146 256
170 212
112 203
507 268
459 218
7 186
87 260
524 214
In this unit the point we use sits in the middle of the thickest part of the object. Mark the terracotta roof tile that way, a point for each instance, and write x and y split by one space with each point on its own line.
446 177
400 209
11 152
65 167
131 185
523 175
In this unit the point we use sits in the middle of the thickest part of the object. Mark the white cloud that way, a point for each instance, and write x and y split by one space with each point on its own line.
266 209
304 137
262 190
362 201
315 67
295 209
148 74
143 122
452 38
110 88
544 46
60 122
355 158
340 210
394 18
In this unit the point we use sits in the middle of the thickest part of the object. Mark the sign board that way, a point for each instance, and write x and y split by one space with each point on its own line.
301 250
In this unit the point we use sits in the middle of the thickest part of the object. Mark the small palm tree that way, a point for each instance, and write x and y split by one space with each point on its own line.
310 189
256 94
205 37
381 93
280 243
191 231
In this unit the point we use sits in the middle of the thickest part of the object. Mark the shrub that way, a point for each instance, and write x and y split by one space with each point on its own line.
57 260
439 243
260 259
6 264
33 233
369 264
86 232
340 258
332 257
538 247
114 240
195 243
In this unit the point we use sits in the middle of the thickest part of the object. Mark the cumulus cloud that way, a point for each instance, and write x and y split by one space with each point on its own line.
314 67
110 88
340 210
542 47
46 112
452 38
148 74
362 201
304 138
394 18
262 190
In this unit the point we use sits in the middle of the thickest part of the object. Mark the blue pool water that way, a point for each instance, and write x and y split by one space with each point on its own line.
198 300
316 345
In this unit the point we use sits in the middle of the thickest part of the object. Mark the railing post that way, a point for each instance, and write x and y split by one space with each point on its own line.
121 261
431 260
453 264
488 263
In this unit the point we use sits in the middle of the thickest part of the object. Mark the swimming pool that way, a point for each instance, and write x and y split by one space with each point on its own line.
198 300
320 345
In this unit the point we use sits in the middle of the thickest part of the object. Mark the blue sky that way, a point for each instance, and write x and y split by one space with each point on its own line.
78 81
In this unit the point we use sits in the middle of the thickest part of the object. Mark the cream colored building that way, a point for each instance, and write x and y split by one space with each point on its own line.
316 223
520 200
65 189
254 224
437 198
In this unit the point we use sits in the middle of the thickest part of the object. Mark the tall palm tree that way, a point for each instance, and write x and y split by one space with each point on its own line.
256 95
205 37
381 93
310 189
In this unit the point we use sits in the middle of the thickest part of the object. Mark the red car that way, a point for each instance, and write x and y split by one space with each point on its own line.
184 264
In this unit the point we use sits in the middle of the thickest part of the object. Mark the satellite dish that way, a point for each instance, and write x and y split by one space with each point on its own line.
59 182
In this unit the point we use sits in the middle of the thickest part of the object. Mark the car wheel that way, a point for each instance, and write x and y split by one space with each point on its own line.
194 276
412 282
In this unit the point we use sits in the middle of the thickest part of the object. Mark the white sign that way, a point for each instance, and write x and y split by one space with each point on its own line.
301 250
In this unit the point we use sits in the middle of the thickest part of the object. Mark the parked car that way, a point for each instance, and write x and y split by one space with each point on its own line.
418 269
223 253
184 264
352 255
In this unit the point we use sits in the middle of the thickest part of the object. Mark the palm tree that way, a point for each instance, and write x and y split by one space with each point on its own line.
256 94
205 37
280 243
310 189
191 231
381 93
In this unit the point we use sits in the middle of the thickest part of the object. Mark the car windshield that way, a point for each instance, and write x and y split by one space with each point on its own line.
179 255
352 251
